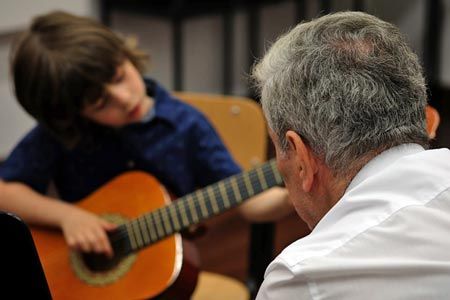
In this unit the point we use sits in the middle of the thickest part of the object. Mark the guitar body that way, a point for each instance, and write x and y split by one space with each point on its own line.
154 268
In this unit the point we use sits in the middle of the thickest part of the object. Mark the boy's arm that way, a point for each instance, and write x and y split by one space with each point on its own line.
268 206
82 230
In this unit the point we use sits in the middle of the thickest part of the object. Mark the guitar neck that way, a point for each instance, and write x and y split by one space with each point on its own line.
202 204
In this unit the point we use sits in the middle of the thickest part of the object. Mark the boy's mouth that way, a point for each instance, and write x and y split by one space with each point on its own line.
135 112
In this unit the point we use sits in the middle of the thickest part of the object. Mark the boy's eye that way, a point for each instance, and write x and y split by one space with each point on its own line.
118 77
100 104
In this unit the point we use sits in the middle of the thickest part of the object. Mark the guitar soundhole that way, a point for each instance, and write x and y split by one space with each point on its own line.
100 262
98 269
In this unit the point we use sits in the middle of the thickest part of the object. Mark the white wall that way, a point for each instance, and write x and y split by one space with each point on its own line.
14 17
203 41
13 121
16 14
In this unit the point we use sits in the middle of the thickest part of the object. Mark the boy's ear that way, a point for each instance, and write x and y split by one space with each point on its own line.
305 162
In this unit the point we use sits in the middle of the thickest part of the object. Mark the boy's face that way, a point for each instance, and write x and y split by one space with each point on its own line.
125 100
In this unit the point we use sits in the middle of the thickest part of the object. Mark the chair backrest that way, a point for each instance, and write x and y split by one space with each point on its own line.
238 120
241 125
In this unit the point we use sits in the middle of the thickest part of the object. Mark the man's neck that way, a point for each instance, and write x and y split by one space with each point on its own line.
332 187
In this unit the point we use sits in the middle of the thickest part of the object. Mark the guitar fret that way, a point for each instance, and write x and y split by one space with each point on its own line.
201 201
157 220
230 192
137 233
223 192
242 188
174 216
269 175
182 211
237 194
212 200
261 178
218 198
151 225
131 236
255 181
167 226
144 230
190 202
187 210
277 175
247 183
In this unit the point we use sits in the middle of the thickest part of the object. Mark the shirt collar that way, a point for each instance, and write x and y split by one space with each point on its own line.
385 158
343 208
164 102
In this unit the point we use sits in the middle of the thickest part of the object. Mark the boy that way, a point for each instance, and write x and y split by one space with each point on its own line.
97 117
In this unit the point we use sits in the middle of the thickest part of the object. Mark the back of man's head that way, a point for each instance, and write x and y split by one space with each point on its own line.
348 84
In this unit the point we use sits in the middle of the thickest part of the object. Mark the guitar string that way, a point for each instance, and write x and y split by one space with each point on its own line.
267 169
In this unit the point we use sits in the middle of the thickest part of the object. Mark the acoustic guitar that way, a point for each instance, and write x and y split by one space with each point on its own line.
148 253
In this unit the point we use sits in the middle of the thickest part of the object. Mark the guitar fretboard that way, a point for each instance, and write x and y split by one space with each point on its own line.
202 204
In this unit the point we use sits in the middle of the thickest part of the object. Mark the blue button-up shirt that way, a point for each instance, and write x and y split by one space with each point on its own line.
177 145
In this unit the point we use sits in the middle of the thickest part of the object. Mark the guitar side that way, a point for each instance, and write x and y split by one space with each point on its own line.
155 267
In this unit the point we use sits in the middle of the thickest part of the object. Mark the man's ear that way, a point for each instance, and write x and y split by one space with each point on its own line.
306 164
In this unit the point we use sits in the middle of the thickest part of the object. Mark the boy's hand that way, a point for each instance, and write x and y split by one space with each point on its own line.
85 231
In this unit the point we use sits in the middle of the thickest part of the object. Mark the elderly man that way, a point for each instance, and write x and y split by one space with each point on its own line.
345 97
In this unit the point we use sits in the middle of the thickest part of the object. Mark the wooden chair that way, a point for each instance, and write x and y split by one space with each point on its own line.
241 125
239 122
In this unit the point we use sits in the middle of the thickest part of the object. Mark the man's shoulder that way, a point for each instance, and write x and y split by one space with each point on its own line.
316 245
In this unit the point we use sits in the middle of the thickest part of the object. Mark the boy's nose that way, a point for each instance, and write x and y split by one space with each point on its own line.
120 96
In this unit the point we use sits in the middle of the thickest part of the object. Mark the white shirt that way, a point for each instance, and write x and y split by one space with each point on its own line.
388 237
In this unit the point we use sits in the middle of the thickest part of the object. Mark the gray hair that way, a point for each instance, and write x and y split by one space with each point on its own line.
348 84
